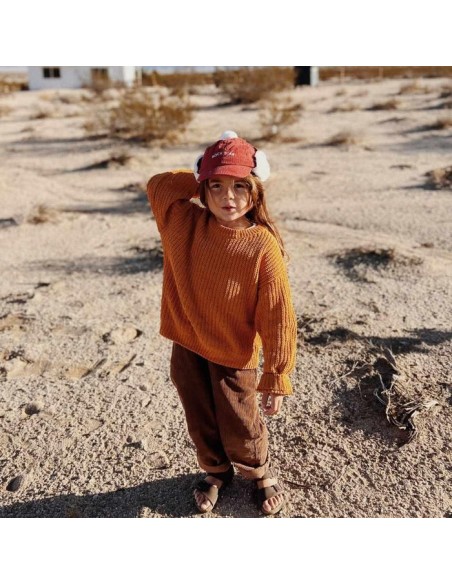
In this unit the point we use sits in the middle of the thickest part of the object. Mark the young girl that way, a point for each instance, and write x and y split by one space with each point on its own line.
225 295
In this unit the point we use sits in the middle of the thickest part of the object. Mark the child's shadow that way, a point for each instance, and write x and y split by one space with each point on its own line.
172 497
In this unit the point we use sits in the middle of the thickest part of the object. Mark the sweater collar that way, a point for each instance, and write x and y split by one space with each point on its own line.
223 232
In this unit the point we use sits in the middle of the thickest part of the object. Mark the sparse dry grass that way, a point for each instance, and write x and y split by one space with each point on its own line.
345 138
44 112
344 107
369 73
361 93
390 104
253 84
446 104
446 91
439 178
276 115
187 82
414 88
117 159
41 214
356 262
442 124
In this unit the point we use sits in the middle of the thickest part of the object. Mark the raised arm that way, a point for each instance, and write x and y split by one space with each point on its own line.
169 194
276 324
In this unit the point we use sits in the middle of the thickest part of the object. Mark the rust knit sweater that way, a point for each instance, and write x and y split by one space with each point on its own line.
225 291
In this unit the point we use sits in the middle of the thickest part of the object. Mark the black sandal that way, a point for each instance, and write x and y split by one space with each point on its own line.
211 491
268 487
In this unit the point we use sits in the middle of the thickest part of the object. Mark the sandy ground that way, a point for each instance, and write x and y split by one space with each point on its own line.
90 425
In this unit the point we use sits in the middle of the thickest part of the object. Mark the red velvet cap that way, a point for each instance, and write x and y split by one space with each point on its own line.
231 156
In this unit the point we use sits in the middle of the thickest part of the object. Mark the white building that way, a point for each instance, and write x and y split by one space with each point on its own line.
77 77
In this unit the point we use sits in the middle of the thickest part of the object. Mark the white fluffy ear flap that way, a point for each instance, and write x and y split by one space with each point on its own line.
197 166
228 135
262 168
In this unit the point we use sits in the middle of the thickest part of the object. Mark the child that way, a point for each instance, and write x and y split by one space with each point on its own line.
225 295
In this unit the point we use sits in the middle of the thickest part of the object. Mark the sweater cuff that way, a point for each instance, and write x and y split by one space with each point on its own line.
274 383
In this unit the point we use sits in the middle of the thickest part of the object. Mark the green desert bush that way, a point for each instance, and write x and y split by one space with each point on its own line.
277 114
252 84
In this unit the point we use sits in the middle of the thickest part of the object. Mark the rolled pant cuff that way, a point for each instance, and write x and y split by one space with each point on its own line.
251 472
218 468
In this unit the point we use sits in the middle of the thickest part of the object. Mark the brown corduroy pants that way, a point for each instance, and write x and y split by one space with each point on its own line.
222 414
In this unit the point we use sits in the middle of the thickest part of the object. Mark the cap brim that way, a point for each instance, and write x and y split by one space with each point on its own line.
227 170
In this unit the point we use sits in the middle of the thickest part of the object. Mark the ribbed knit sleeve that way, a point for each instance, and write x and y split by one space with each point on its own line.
169 195
276 323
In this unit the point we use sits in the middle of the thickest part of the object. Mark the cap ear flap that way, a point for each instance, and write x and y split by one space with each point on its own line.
197 166
262 168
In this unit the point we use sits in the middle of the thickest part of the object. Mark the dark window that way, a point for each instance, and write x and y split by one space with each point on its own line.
51 72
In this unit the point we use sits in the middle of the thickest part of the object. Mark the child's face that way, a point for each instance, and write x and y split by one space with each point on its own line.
229 199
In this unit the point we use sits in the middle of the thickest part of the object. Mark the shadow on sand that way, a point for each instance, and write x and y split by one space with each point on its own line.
168 498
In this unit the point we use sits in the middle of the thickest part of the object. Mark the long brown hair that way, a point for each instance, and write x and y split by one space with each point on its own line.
258 213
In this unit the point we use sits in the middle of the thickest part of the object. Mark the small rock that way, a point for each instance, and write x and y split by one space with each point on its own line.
16 484
125 334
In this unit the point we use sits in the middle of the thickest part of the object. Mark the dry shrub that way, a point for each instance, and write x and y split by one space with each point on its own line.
439 178
189 81
43 112
277 114
446 104
9 85
413 87
442 124
72 98
344 107
345 138
116 159
390 104
340 92
357 262
406 72
446 91
41 214
144 117
252 84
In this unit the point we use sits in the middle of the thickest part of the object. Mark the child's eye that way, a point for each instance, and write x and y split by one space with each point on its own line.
241 186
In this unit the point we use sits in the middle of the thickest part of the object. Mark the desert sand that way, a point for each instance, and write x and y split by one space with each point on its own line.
90 424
